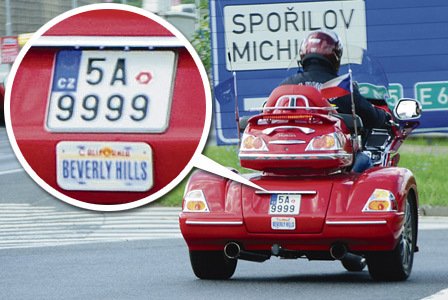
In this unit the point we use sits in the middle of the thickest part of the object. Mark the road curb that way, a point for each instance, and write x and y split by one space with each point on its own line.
434 211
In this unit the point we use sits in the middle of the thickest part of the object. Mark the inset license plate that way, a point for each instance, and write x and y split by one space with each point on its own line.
283 223
284 204
111 91
104 166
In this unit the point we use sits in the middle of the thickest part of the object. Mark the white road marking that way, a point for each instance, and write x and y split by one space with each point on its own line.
7 172
442 295
23 225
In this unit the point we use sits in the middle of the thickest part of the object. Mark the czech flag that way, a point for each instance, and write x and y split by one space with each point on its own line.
337 87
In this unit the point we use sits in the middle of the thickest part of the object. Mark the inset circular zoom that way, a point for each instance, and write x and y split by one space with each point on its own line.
108 104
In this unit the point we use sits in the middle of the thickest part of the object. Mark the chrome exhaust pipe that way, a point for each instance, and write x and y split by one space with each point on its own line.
338 251
232 250
352 262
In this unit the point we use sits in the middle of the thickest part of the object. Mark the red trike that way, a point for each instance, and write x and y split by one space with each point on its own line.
313 206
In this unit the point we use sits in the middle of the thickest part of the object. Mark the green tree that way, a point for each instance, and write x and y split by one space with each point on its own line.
201 39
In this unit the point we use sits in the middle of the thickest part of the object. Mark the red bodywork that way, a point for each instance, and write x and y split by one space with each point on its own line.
172 149
237 213
332 203
287 133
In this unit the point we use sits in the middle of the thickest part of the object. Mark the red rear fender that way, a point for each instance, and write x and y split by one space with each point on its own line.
222 195
350 197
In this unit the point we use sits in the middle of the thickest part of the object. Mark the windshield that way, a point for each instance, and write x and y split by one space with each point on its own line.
368 73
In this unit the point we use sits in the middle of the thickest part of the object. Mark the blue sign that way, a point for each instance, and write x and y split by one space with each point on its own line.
258 40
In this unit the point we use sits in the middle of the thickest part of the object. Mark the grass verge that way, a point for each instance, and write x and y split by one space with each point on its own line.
225 155
429 171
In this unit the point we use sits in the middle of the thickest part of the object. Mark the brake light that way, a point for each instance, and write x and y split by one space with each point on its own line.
380 201
287 117
194 201
252 143
325 142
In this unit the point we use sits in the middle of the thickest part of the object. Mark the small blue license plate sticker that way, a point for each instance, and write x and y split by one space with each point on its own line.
283 223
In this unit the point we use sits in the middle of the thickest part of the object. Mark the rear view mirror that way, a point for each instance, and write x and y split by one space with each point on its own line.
407 109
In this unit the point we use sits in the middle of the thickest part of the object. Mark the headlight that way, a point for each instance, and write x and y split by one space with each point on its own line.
381 201
325 142
194 201
252 143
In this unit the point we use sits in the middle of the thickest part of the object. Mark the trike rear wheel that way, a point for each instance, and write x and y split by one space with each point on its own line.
396 265
212 264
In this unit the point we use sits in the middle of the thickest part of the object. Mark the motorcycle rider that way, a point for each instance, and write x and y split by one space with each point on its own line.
320 56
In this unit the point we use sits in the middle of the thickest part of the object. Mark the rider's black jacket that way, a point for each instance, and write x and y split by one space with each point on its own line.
316 71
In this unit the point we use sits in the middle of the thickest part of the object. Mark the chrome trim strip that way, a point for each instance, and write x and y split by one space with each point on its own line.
193 222
383 211
379 222
286 192
295 156
108 41
305 130
287 142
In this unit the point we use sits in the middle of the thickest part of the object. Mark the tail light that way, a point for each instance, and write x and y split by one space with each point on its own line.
194 201
380 201
325 142
252 143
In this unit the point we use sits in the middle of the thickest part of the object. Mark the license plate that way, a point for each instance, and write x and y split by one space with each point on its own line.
104 166
111 91
284 204
283 223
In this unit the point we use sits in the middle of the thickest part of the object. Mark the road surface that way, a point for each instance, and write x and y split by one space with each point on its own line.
51 250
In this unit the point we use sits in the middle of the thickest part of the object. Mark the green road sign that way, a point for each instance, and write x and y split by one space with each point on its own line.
392 94
372 91
395 94
432 95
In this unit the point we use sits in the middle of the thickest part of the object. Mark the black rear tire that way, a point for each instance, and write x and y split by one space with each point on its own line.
396 265
212 264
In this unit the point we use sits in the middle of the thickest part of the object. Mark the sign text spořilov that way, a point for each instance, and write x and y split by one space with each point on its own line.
268 36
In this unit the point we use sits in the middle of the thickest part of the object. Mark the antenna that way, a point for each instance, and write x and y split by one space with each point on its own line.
356 143
294 59
237 113
355 139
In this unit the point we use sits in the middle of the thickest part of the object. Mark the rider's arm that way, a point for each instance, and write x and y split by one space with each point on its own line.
371 116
